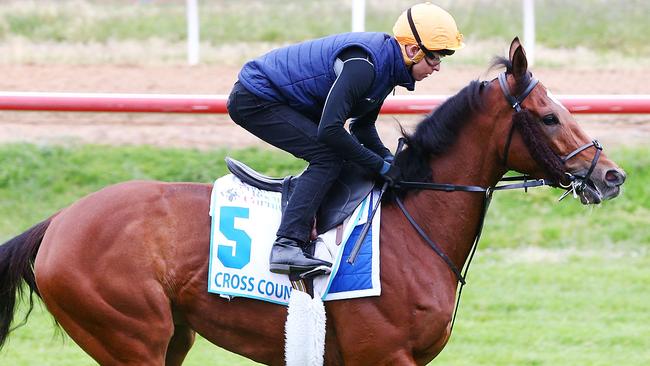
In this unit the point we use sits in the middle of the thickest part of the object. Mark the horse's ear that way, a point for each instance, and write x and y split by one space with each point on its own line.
518 58
513 46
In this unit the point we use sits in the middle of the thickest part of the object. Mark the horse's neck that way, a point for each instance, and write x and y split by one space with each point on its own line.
451 219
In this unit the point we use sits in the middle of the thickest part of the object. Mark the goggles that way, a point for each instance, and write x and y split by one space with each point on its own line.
433 60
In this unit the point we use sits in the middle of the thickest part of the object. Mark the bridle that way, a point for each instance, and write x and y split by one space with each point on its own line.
515 102
577 184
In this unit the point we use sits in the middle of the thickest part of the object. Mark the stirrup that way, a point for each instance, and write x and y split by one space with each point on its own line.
318 271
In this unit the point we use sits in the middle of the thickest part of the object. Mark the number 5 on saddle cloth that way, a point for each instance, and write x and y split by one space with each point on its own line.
246 212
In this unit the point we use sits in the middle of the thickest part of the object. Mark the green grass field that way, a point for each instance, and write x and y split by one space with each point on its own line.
552 284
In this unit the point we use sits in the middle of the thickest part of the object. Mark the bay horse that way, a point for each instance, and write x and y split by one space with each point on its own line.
124 270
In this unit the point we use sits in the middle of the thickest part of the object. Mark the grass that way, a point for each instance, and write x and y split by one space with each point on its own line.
580 309
38 180
552 284
610 29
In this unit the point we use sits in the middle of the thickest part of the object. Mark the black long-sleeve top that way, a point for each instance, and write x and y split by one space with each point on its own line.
346 100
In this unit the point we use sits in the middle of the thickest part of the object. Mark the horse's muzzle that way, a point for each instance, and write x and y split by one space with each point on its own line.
603 185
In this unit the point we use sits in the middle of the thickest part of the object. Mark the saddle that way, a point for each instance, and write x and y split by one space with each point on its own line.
348 190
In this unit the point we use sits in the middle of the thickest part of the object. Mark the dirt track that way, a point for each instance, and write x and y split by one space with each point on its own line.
211 131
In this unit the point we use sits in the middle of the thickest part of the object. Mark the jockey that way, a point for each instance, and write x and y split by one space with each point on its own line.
298 98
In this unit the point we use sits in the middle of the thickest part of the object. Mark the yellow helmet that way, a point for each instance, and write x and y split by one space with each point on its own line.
428 26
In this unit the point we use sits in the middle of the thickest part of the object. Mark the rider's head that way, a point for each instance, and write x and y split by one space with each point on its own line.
427 30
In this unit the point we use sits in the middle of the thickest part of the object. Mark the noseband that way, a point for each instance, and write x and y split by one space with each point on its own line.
577 182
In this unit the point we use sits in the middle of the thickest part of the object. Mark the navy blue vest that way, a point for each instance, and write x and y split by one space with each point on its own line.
301 75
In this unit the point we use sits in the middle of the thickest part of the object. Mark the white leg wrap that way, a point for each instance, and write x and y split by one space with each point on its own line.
305 330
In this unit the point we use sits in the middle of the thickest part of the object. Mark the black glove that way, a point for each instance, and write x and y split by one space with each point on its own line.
391 175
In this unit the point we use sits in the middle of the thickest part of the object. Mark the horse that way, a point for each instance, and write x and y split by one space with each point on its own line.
124 270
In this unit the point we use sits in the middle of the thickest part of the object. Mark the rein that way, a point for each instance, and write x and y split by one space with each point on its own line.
577 184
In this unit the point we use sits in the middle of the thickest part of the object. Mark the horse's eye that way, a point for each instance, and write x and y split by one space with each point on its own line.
550 120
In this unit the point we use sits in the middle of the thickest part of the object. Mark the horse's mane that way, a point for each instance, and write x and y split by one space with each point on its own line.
437 131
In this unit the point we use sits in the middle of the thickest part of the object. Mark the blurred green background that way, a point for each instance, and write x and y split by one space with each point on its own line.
595 24
610 30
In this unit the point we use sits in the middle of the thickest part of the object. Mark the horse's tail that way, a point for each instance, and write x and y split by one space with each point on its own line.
17 265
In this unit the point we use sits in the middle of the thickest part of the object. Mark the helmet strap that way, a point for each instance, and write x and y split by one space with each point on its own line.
416 35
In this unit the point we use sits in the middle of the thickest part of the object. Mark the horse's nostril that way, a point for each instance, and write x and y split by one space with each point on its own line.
615 177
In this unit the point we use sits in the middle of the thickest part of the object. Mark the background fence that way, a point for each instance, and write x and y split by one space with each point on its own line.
170 103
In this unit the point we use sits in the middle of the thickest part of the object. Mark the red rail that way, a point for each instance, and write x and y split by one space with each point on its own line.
102 102
587 104
177 103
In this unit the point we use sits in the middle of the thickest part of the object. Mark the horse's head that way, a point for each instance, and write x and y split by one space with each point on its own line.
541 138
510 123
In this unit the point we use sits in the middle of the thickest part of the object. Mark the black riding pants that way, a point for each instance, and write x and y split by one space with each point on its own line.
287 129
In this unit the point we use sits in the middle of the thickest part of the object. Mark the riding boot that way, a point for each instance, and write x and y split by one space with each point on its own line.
288 256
